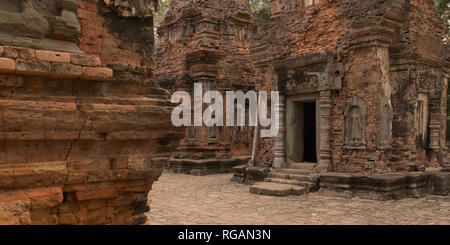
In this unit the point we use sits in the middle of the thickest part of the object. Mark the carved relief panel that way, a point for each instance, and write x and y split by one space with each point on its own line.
298 80
316 77
355 124
386 115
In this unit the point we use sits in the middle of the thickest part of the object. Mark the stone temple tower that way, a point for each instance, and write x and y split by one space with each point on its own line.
207 42
363 88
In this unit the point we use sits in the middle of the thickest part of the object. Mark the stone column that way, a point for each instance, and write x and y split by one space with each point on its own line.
325 132
435 128
447 128
280 140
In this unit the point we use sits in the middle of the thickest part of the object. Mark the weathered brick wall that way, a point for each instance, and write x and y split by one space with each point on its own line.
83 136
115 36
389 50
293 32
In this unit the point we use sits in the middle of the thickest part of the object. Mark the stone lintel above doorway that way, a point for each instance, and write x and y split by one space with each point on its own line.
309 73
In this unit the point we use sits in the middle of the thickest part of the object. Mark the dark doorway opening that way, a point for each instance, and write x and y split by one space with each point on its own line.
309 133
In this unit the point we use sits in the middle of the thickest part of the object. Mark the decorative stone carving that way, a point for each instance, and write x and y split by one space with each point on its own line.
386 115
317 71
66 26
331 79
320 80
355 124
21 19
34 24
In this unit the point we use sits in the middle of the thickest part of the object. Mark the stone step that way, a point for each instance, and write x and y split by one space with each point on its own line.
278 175
295 171
309 185
302 166
293 177
309 178
276 189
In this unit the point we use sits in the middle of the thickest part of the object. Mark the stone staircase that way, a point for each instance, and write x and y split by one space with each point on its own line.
286 182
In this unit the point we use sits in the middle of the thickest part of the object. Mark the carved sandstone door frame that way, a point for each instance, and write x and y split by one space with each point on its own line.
323 113
291 138
291 75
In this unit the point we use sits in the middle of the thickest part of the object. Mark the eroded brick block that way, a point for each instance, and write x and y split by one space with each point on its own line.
46 197
11 80
65 70
7 65
84 60
89 165
6 177
40 174
33 67
67 219
96 194
53 56
19 53
97 73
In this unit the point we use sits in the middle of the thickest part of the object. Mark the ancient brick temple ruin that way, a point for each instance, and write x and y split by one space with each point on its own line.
364 86
85 130
86 112
208 42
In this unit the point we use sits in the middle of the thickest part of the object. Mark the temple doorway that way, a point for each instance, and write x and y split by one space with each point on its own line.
309 132
302 133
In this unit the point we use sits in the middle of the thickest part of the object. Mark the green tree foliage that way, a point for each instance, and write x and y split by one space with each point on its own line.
159 17
443 6
261 10
161 14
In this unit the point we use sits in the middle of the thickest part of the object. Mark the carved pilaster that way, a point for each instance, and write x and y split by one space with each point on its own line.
280 143
325 132
435 128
